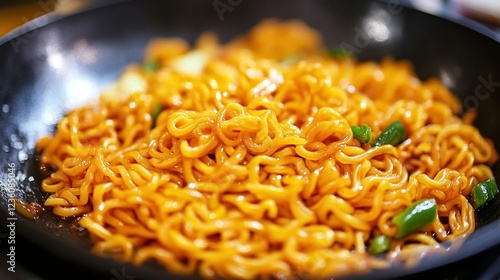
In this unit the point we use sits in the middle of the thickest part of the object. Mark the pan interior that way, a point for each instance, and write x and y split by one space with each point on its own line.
58 63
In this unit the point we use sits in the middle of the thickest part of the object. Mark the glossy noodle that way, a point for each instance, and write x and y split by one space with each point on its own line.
251 169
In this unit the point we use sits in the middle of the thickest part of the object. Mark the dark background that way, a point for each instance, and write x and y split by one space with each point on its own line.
32 264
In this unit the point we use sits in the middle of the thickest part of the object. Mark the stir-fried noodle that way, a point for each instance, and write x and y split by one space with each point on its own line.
238 160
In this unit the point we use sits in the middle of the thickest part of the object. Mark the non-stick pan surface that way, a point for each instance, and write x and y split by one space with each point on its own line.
55 63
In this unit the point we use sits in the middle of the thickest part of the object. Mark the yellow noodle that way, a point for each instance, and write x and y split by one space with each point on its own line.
251 169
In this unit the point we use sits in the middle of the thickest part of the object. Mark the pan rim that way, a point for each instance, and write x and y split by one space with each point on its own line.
51 18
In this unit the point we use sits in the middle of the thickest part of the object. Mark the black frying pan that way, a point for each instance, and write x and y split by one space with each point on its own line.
55 63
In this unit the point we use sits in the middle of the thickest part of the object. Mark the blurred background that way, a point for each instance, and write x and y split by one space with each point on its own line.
14 13
483 13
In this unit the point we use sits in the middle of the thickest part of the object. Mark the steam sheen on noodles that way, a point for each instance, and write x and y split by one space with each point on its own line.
251 169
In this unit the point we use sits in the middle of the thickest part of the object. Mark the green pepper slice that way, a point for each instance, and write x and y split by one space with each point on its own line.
393 134
363 134
379 245
150 66
156 111
484 192
415 217
339 52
